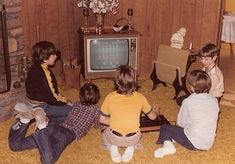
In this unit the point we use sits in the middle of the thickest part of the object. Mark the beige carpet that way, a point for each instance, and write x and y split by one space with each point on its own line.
227 65
87 151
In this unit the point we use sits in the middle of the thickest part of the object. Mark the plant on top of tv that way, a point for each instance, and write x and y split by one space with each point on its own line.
100 6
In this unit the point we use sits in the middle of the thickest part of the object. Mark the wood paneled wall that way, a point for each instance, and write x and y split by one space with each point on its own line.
53 20
156 20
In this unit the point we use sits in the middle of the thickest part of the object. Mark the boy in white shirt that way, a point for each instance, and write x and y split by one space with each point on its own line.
208 57
197 119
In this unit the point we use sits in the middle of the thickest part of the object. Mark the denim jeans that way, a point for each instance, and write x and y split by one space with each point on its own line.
50 141
17 140
55 113
176 133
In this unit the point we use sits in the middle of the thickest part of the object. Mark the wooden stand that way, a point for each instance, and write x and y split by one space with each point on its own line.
133 43
176 83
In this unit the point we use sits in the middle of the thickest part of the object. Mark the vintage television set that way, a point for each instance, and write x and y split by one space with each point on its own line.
102 54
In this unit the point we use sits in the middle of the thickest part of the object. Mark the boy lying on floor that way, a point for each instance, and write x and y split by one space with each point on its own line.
51 139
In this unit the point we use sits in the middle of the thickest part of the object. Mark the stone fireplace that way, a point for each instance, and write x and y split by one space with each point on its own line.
16 52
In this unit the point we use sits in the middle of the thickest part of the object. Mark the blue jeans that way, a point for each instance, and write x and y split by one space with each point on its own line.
50 141
56 113
176 133
17 140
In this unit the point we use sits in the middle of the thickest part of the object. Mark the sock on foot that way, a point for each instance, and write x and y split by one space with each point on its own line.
24 120
168 148
41 119
42 125
115 155
128 154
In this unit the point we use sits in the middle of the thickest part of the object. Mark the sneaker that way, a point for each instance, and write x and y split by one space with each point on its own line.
24 112
168 148
40 117
16 125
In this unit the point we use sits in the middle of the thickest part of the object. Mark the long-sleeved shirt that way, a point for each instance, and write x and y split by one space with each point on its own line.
41 85
81 118
198 116
217 81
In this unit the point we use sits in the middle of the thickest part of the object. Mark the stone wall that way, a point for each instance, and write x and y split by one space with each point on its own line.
8 100
16 52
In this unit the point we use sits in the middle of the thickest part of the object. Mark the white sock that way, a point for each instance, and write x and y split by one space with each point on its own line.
42 125
168 148
128 154
24 120
115 155
40 116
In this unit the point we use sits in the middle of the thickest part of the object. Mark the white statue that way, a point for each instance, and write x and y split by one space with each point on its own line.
177 39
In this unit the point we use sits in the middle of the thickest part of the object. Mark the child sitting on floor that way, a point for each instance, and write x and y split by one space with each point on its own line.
197 119
41 85
121 110
52 139
208 57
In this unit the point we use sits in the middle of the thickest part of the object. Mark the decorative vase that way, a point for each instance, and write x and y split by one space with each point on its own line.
86 14
99 24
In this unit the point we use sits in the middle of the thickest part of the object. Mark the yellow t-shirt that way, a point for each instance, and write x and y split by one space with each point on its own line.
124 111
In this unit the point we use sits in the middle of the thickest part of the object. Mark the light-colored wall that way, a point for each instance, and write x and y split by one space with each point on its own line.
230 7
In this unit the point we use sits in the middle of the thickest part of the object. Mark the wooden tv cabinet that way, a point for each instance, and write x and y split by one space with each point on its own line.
87 70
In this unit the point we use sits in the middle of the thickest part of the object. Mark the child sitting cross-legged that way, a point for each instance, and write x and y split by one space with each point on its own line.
197 119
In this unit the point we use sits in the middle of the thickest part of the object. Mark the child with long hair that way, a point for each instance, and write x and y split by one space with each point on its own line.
41 85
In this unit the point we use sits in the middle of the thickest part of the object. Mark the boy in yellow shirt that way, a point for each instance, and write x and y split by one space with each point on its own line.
121 110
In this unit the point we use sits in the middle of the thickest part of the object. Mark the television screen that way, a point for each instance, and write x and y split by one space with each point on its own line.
108 54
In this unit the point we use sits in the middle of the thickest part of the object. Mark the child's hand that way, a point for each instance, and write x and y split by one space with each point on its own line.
70 103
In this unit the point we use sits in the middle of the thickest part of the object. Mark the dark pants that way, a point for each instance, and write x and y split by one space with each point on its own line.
17 140
56 114
50 141
176 133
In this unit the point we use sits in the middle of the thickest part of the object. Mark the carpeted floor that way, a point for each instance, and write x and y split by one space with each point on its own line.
227 65
87 151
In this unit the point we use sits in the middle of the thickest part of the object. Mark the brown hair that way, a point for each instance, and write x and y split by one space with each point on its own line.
200 81
125 80
209 50
89 94
42 50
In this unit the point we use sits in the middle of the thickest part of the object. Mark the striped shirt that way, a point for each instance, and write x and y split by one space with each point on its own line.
81 118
